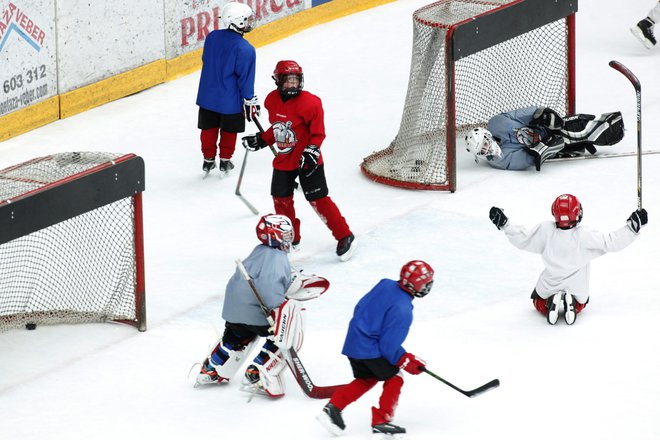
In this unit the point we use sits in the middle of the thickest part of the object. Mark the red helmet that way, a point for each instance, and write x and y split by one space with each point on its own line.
282 70
567 211
416 278
275 231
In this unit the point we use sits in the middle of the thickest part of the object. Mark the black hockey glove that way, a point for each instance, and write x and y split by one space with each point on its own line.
254 142
252 108
638 219
497 217
548 118
309 161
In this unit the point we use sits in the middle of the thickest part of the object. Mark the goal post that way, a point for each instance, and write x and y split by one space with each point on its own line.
471 60
71 240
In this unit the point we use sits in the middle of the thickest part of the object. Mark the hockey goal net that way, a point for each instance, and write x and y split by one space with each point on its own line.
470 61
71 240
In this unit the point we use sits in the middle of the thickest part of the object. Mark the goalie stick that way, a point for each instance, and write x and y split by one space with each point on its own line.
638 92
602 156
472 393
290 356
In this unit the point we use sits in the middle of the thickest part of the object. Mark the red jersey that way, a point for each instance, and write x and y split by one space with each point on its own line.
295 124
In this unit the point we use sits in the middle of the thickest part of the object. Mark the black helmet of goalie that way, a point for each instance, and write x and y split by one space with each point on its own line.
567 211
237 17
289 78
276 231
480 142
416 278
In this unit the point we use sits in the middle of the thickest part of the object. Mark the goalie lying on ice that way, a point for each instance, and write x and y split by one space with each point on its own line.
282 293
526 137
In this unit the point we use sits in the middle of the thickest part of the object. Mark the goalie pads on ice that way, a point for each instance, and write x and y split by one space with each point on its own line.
289 325
585 130
304 287
270 373
235 360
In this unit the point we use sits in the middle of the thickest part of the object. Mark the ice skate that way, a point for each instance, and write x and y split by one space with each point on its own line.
386 431
207 375
345 247
208 165
331 419
553 307
644 32
569 309
226 166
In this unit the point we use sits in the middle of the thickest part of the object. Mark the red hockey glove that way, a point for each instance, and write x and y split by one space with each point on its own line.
411 364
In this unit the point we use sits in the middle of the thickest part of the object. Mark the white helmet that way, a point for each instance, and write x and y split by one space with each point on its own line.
238 17
480 142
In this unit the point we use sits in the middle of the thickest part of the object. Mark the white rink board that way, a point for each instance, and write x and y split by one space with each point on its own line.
28 72
102 38
188 22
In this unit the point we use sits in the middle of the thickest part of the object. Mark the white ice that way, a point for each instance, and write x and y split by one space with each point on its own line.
598 379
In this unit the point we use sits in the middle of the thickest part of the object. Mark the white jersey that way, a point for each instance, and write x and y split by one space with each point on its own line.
566 254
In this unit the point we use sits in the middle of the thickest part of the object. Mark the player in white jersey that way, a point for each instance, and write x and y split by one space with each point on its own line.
566 248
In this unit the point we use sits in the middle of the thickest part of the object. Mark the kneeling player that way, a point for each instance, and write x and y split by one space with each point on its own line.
566 248
245 322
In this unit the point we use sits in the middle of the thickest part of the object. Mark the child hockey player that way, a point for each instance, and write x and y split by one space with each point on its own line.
566 248
380 324
281 292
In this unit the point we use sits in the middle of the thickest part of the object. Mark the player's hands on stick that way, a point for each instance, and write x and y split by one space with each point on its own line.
309 161
254 142
497 217
411 364
638 219
252 108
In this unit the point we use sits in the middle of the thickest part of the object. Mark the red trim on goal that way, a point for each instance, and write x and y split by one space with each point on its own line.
401 183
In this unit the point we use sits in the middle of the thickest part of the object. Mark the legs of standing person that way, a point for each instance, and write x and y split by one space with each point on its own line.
281 189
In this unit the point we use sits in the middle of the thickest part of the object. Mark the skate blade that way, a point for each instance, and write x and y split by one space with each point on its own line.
333 429
382 436
347 256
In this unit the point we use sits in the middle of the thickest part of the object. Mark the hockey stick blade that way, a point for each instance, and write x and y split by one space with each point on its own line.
472 393
303 379
602 156
238 186
627 73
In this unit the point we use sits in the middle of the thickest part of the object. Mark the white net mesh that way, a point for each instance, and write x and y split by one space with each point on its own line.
530 69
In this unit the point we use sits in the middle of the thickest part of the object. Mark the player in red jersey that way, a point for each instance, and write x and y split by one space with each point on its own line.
297 132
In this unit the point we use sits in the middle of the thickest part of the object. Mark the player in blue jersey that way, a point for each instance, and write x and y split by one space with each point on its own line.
379 327
226 86
526 137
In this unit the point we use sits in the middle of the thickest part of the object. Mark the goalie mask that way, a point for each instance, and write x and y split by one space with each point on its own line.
275 231
480 142
567 211
237 17
289 78
416 278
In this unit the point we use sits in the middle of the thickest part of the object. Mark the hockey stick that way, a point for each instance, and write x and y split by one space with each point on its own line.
638 92
238 186
290 355
603 156
472 393
303 379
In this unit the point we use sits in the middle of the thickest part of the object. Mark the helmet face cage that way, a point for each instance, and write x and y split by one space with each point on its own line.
275 231
480 142
567 211
416 278
238 16
282 71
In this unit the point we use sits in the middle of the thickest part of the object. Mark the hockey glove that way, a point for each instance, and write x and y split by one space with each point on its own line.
548 118
309 161
411 364
638 219
252 108
497 217
254 142
546 150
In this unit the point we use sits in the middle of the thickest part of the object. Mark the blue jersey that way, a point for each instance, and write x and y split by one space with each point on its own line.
513 131
229 63
380 323
270 271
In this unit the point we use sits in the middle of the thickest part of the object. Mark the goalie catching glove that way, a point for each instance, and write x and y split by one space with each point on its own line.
309 161
254 142
252 108
410 363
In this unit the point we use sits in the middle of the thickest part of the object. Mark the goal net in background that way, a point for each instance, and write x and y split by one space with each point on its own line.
470 61
71 240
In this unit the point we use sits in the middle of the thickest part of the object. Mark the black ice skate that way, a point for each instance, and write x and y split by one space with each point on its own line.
346 247
644 32
226 165
569 309
208 165
552 303
331 419
388 430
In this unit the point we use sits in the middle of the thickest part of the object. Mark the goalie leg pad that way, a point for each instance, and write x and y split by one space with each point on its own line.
266 370
607 129
227 357
290 325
